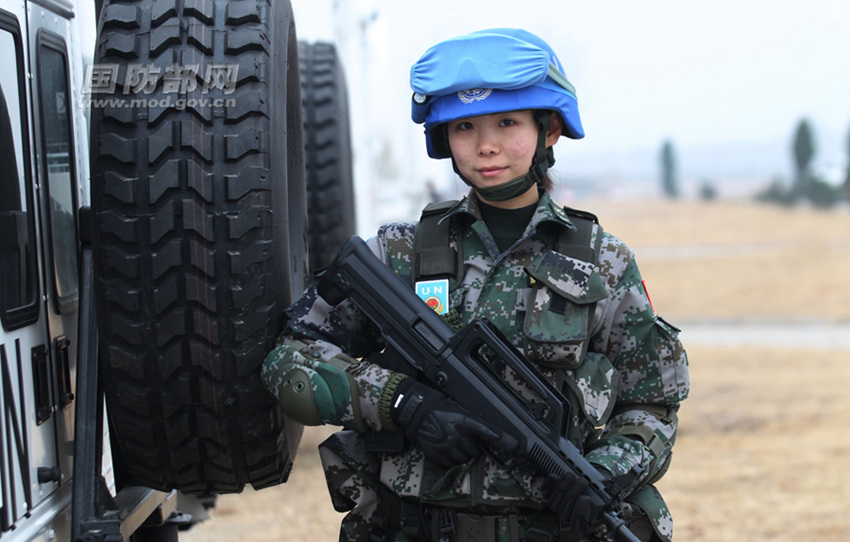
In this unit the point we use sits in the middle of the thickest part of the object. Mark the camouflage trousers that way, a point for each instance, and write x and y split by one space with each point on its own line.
397 521
375 514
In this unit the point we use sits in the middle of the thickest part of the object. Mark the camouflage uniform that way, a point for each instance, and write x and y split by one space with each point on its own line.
625 389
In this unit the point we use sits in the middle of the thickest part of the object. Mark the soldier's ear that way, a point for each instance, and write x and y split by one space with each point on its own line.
556 126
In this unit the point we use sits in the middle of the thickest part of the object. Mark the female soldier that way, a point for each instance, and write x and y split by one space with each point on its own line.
494 102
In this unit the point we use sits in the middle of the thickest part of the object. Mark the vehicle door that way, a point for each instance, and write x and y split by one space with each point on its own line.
38 267
61 172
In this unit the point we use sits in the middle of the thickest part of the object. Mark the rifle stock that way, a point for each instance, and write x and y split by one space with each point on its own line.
469 366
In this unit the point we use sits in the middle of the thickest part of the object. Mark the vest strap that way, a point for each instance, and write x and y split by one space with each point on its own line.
434 257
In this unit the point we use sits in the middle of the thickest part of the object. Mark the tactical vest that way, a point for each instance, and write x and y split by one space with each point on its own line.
435 258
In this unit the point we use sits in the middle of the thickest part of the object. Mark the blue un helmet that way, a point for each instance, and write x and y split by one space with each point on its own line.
493 71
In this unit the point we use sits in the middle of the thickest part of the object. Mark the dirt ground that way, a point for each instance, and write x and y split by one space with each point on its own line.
763 443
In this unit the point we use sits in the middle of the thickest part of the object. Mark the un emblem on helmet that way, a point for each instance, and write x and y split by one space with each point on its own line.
474 95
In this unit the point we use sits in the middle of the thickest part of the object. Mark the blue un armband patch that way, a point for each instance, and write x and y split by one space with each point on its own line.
435 294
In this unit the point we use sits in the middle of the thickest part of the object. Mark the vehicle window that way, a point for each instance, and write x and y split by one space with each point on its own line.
58 161
18 274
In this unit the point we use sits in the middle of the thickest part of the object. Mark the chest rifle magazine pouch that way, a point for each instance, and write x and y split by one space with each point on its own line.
560 311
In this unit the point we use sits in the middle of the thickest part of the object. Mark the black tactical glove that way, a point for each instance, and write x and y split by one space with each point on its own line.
569 500
444 430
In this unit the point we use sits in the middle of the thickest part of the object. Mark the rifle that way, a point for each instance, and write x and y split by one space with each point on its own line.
468 366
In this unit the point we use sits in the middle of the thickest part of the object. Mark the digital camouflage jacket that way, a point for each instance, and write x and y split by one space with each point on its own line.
624 391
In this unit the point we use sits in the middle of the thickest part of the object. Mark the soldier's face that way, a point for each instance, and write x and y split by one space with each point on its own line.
493 149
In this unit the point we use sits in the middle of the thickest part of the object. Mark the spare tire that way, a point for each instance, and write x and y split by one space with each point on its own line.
327 145
200 235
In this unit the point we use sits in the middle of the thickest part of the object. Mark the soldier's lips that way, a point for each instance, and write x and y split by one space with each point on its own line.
490 172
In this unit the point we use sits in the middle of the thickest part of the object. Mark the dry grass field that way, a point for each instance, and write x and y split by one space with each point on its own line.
764 442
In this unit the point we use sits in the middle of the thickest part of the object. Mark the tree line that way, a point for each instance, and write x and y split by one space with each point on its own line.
806 185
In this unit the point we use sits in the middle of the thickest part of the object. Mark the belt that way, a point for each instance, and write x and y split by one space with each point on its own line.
429 523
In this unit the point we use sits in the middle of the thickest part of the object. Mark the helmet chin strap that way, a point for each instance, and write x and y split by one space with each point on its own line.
544 158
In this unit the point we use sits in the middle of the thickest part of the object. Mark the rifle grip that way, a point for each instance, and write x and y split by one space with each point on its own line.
333 287
507 443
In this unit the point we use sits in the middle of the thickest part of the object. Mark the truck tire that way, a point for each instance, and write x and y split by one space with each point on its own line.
199 200
330 187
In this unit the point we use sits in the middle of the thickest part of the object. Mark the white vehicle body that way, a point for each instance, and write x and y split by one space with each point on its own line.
45 182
